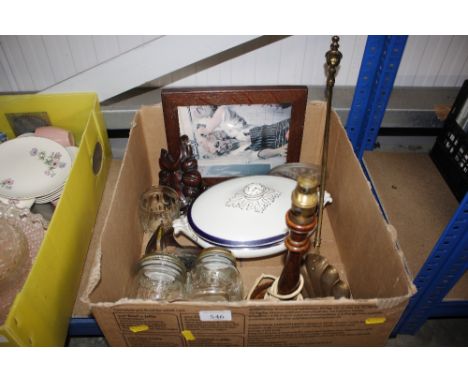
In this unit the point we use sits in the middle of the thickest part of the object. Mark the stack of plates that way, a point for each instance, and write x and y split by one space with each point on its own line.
33 169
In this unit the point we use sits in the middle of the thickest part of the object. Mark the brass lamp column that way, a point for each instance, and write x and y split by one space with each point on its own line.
301 220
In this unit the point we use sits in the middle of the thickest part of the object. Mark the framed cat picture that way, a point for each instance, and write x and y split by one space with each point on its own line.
236 131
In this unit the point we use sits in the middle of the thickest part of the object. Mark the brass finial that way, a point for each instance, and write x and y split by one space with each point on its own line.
333 57
305 194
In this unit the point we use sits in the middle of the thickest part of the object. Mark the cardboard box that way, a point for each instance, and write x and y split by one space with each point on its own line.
356 240
41 311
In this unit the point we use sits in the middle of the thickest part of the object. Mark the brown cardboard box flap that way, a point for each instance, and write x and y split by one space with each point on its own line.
381 303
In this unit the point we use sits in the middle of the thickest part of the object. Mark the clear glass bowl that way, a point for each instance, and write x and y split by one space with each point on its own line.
14 251
14 268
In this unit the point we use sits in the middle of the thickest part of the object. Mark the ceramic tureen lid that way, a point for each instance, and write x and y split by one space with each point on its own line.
245 212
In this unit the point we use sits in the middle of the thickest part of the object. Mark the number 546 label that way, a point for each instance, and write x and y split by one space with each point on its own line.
215 315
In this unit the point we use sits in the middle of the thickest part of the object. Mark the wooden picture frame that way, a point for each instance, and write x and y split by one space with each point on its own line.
236 131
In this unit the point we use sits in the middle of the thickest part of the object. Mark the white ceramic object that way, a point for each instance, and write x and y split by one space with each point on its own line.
246 215
72 151
24 135
181 225
31 167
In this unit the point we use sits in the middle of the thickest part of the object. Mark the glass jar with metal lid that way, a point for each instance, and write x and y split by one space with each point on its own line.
160 276
215 276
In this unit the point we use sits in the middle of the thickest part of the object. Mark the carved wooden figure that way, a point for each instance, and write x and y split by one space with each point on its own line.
182 173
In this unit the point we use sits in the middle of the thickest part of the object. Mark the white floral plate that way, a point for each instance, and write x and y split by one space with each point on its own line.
246 215
72 151
31 167
50 197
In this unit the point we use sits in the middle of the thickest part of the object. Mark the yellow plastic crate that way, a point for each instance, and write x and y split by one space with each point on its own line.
40 313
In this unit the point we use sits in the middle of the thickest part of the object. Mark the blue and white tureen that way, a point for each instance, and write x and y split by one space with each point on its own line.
246 215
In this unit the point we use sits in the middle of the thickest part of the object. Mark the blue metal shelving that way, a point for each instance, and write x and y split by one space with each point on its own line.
449 259
379 67
86 327
443 268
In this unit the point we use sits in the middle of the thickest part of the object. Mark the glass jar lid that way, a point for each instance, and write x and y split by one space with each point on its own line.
163 260
217 252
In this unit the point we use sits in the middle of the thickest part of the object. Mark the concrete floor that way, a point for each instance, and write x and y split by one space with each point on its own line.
435 332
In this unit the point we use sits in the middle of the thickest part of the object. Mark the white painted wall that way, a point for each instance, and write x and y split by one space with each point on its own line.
34 63
294 60
94 63
427 61
434 61
154 59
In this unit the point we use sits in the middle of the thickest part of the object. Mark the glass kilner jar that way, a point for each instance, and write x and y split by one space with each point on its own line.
160 276
215 277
